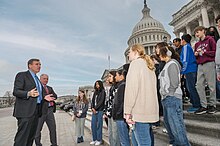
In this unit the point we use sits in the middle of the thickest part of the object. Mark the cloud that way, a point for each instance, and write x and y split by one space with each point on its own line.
72 38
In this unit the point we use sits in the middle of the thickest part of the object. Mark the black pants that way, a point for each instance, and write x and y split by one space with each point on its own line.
27 129
51 124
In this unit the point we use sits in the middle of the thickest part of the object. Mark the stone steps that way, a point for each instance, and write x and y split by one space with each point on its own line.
195 139
202 130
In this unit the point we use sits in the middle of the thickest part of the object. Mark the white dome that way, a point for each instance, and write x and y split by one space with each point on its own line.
147 32
147 22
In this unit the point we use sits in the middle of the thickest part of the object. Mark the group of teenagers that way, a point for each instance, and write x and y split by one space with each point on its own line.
149 87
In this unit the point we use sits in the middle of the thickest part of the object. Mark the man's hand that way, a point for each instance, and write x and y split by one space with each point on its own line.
49 97
33 93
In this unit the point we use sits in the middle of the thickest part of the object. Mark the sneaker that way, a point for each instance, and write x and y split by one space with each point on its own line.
192 109
93 142
81 139
98 143
78 140
211 110
200 111
164 130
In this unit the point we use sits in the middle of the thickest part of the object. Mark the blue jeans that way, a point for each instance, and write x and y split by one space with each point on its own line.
143 134
123 132
191 86
113 133
173 120
97 123
217 90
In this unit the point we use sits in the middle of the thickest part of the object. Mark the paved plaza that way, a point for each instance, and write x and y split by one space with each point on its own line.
65 130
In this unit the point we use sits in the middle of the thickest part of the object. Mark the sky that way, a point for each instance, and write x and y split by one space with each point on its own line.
72 38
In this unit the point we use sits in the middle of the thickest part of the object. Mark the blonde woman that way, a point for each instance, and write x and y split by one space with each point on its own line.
141 104
80 109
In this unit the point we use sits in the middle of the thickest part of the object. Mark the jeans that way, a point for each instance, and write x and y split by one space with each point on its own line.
113 133
143 134
97 123
218 90
79 126
191 86
123 132
173 120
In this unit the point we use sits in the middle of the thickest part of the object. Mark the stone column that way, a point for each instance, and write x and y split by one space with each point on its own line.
216 10
148 51
205 17
177 34
200 21
188 29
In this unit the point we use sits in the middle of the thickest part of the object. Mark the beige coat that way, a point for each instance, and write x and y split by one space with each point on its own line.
141 93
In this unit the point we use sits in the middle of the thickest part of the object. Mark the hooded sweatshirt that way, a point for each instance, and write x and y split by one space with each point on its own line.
208 45
188 60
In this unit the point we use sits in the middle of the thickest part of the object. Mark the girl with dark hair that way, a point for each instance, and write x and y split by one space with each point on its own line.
171 95
80 109
98 103
212 31
112 127
118 109
158 67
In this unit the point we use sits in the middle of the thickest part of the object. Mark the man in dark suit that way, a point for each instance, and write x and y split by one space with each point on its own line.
28 104
48 109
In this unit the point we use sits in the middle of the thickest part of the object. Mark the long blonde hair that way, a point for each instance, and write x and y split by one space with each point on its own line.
141 51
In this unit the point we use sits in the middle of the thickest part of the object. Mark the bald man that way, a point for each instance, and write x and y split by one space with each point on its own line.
48 110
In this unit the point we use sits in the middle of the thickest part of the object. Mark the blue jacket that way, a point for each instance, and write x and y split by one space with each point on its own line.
188 60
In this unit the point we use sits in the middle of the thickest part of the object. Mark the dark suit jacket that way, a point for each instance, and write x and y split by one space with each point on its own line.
46 103
24 106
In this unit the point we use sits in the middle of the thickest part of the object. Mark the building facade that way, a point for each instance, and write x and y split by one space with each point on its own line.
147 32
195 13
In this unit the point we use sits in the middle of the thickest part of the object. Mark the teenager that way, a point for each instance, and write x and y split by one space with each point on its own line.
80 109
171 94
205 50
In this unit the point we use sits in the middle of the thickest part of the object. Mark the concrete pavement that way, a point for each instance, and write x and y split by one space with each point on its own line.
65 130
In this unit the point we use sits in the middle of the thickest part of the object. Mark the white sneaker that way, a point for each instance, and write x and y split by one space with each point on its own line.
98 143
93 142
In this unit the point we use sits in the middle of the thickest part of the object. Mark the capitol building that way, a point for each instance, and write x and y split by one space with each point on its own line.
148 32
193 14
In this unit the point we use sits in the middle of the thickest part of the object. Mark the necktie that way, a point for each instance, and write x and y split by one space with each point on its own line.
39 98
47 91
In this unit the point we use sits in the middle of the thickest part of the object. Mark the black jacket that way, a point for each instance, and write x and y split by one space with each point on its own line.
118 104
24 106
46 103
109 103
99 98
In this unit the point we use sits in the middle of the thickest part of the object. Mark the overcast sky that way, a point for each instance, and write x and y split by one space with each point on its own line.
72 38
